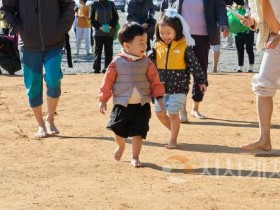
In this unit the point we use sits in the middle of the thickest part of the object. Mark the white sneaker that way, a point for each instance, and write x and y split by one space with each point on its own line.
240 69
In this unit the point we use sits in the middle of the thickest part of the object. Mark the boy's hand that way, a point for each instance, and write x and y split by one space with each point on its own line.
102 107
203 88
160 102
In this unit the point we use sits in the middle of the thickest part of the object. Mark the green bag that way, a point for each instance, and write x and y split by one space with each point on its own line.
235 26
117 28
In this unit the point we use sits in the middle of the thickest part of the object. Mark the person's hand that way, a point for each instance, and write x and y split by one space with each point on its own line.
102 107
160 103
224 30
203 88
145 25
247 21
271 44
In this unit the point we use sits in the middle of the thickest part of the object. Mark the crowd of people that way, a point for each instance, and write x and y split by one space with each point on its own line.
155 63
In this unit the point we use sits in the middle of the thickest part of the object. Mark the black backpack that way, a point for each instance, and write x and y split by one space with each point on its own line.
9 54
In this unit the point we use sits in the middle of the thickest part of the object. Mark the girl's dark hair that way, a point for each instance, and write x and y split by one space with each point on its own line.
129 31
174 23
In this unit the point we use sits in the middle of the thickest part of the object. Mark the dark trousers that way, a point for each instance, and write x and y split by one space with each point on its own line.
201 50
108 49
68 50
91 37
247 39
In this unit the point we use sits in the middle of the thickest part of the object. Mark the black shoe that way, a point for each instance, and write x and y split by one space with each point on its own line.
104 71
0 72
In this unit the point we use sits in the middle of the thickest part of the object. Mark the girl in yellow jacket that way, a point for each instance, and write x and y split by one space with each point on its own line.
174 60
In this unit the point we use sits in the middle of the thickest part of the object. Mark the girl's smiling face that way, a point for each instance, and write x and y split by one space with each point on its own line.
137 46
167 33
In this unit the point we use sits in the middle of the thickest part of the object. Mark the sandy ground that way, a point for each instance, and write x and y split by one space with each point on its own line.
76 169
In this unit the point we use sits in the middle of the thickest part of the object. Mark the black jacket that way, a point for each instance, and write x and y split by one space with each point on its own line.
40 23
140 11
104 12
215 15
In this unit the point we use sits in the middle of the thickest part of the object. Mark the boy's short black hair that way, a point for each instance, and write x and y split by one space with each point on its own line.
129 31
174 23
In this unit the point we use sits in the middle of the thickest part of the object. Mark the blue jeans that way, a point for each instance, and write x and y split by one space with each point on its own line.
173 103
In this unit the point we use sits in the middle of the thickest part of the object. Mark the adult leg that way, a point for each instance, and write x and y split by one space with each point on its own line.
216 57
108 48
53 76
33 81
99 40
249 42
239 42
201 50
264 85
79 36
87 40
68 50
264 109
137 142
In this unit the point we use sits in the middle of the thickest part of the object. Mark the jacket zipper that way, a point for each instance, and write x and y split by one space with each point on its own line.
167 55
40 25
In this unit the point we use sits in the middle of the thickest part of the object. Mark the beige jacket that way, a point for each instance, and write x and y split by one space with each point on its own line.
256 14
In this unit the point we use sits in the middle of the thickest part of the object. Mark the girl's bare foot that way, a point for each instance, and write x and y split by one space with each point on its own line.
136 163
258 145
197 115
51 128
119 152
41 133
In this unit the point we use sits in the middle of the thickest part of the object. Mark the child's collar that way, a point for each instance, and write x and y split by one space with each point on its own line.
131 57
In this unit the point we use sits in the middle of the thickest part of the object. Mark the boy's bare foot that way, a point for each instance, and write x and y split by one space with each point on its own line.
41 133
136 163
119 152
197 115
171 146
51 128
257 145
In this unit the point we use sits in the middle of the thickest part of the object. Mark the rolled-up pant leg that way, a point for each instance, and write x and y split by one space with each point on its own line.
201 50
267 80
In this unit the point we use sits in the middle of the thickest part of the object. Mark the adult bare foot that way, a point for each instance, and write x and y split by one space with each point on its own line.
257 145
171 146
119 152
197 115
136 163
41 133
51 128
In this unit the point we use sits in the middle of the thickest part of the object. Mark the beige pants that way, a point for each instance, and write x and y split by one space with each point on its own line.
267 80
